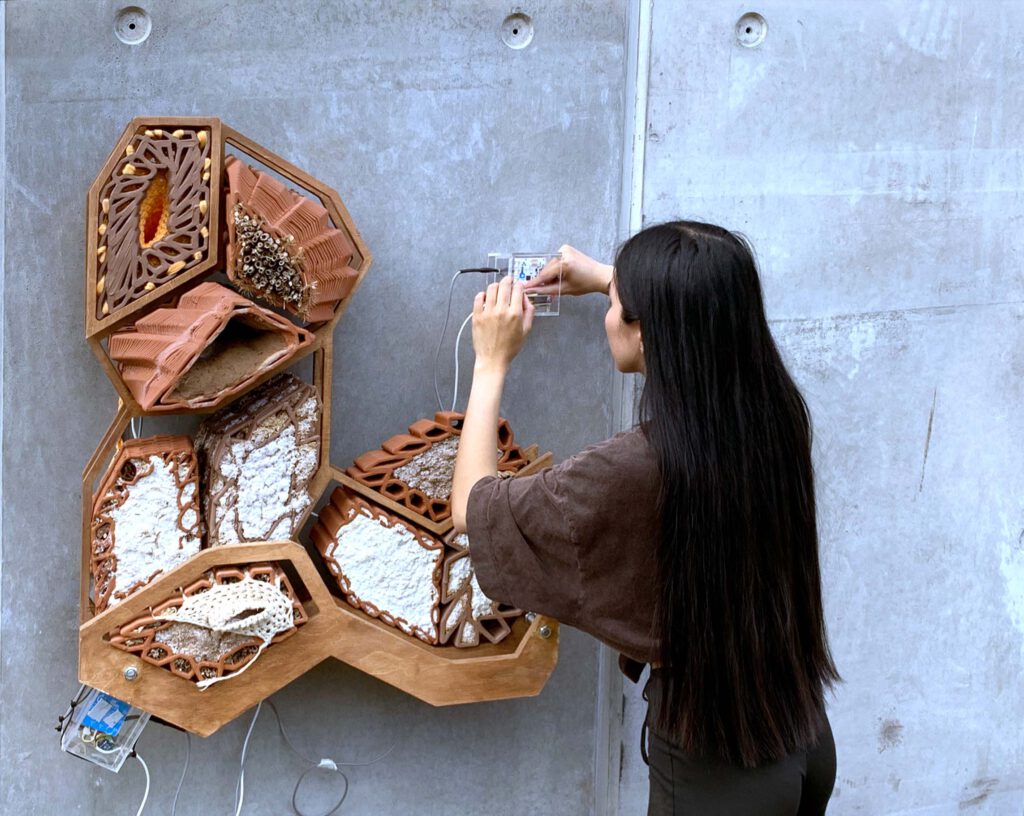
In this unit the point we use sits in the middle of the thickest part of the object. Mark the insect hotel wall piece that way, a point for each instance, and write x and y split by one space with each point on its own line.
145 517
211 346
218 625
258 456
160 224
415 469
281 246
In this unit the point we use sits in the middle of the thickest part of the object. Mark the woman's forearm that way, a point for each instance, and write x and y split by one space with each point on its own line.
478 442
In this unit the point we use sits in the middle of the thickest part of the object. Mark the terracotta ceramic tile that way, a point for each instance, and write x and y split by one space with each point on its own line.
467 614
426 455
258 457
154 221
201 352
384 565
145 516
281 246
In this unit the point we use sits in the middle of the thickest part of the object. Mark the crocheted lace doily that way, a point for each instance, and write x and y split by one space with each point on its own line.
248 607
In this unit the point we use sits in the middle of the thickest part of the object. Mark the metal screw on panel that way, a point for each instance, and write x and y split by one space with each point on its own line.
131 674
544 631
751 30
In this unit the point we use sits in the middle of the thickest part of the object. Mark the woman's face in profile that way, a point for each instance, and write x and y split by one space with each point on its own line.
623 338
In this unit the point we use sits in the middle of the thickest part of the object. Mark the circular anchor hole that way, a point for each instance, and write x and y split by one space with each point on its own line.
751 29
132 25
517 30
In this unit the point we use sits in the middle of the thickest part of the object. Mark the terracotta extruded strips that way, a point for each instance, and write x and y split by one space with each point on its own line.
155 220
383 565
467 613
415 469
145 516
210 347
282 247
194 652
258 456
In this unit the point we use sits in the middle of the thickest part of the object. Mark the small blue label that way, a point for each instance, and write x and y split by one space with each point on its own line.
106 714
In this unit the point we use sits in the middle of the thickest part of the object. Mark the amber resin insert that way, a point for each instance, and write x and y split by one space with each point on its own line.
209 347
154 220
282 247
204 654
145 517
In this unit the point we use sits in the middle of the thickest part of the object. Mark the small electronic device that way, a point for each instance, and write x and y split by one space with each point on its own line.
524 267
101 728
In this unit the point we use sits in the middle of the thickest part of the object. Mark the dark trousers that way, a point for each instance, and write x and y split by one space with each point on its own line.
797 785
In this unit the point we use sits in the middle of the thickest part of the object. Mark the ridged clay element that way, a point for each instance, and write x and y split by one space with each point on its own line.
415 468
384 566
257 458
467 614
154 222
282 247
210 347
145 516
195 653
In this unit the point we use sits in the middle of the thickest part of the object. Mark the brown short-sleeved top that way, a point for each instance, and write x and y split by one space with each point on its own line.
576 542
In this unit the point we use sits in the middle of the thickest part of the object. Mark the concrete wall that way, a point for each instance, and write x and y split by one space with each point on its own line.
445 144
871 152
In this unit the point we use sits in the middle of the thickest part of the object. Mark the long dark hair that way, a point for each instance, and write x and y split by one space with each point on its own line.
744 653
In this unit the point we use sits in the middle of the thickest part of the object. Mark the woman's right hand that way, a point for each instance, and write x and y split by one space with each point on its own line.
581 275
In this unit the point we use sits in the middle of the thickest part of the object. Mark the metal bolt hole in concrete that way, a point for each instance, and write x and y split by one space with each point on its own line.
751 29
517 30
132 25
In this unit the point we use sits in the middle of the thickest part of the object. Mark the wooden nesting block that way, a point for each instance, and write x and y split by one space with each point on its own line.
385 566
210 347
467 614
282 247
145 516
258 457
154 215
198 653
415 469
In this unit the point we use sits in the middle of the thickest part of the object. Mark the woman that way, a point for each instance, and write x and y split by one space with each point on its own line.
690 542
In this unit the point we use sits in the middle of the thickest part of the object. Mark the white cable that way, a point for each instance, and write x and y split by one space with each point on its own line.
440 340
458 338
240 787
145 795
181 781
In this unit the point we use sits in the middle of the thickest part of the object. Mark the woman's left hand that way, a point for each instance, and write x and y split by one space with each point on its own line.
502 317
